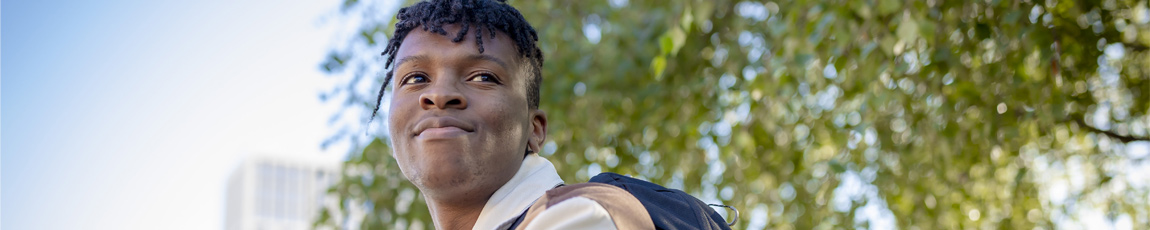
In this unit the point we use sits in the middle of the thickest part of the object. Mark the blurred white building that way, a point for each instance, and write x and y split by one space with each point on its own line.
279 192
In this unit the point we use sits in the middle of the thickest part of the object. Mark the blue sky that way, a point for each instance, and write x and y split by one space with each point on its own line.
130 114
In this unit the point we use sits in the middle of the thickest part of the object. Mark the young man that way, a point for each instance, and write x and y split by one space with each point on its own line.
465 124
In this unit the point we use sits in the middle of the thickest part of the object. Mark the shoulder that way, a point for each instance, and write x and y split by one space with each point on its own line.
587 206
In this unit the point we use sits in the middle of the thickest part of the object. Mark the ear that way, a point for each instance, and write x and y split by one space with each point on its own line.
538 131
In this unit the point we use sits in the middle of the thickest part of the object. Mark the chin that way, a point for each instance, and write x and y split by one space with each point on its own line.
442 175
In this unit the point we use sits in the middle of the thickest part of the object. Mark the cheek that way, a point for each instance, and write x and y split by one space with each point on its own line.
398 114
509 122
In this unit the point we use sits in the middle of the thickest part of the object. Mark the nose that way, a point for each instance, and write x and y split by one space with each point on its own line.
442 96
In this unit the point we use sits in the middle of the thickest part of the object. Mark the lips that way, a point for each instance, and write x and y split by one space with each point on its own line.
441 125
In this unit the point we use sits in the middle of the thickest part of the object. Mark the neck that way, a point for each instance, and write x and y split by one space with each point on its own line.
454 214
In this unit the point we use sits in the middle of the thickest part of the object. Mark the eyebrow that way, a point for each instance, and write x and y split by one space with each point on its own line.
484 57
488 58
410 58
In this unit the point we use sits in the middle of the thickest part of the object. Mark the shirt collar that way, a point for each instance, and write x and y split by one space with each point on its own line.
535 176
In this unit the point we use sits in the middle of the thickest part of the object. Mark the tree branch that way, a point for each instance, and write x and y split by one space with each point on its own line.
1081 121
1136 47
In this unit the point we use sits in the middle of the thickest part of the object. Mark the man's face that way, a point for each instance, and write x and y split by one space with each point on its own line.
459 119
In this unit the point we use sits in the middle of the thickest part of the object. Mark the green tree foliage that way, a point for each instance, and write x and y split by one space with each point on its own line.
821 114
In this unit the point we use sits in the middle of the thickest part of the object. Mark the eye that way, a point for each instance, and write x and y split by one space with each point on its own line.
484 77
415 78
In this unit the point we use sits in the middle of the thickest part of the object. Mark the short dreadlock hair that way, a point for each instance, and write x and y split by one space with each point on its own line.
489 15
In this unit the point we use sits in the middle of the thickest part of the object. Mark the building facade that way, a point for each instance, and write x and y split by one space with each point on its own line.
278 192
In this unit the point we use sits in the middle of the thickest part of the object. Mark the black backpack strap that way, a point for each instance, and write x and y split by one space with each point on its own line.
733 209
669 208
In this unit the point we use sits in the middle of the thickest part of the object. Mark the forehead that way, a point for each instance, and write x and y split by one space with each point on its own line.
430 45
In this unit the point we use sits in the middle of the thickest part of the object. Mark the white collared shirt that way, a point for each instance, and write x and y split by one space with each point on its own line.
535 177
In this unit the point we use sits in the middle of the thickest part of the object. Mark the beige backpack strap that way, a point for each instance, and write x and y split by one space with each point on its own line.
626 211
